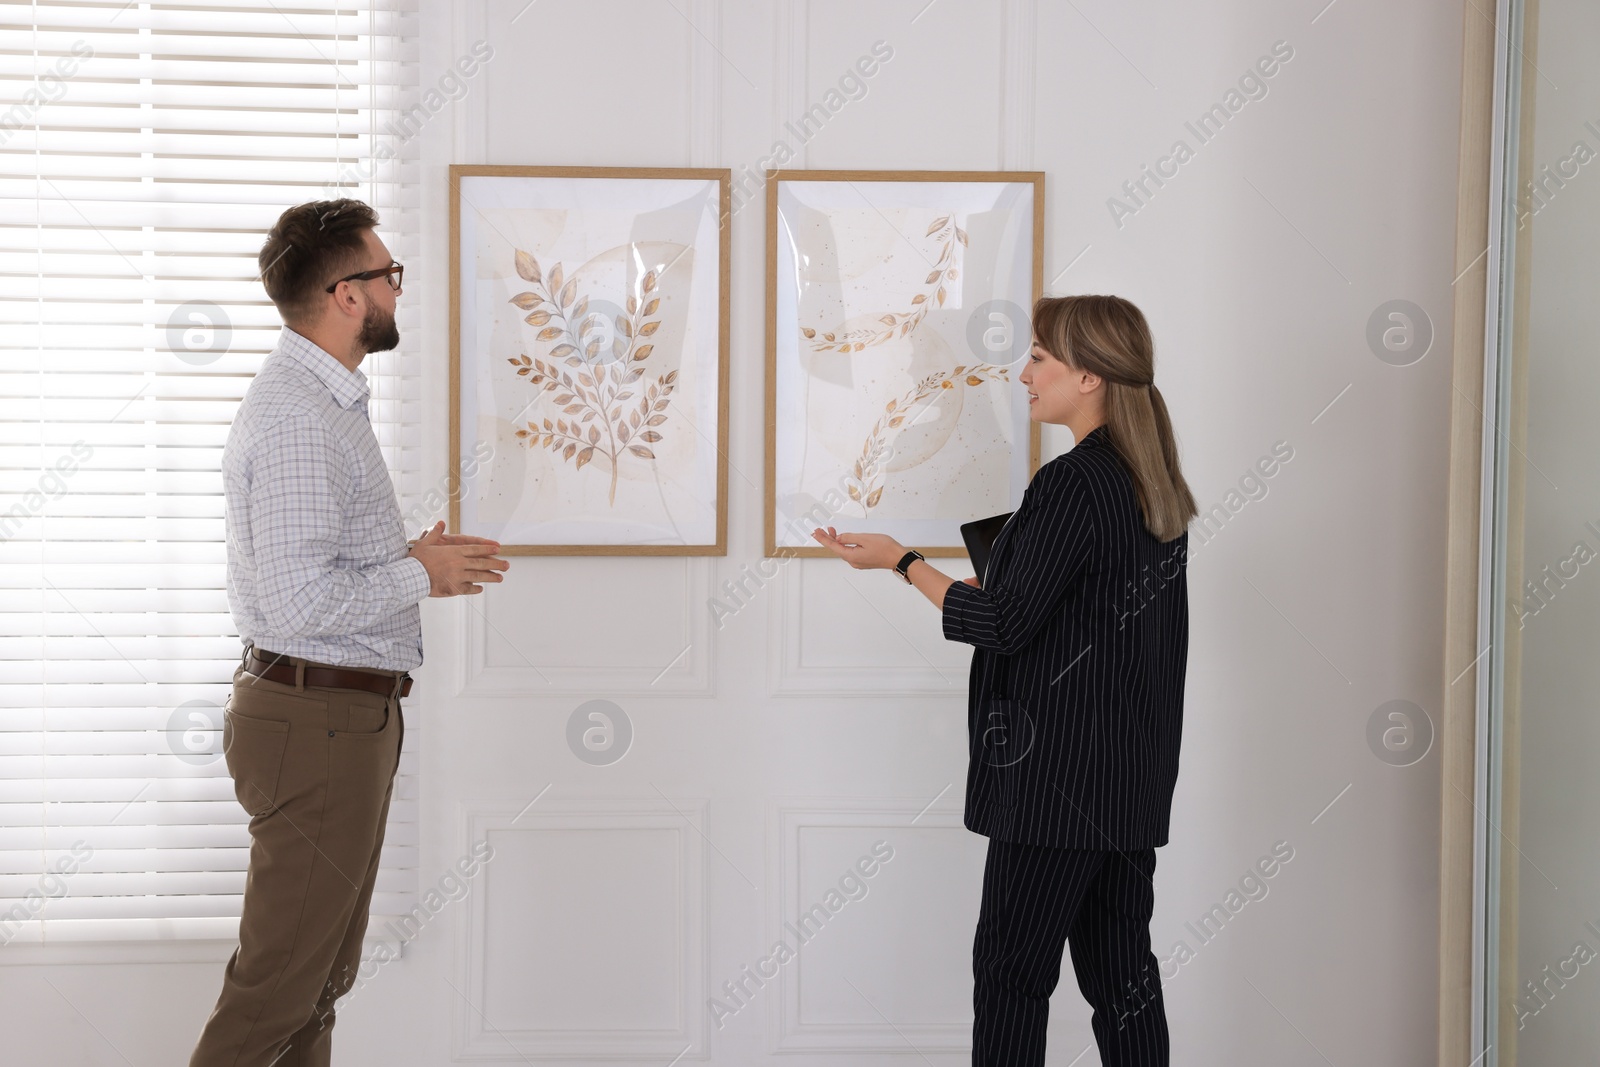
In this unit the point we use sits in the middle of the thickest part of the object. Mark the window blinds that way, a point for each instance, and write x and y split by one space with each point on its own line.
145 149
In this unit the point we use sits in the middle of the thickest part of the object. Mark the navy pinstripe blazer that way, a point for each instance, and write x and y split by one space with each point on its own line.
1081 637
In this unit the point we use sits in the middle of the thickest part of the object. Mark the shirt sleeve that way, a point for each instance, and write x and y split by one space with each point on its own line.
1048 548
300 486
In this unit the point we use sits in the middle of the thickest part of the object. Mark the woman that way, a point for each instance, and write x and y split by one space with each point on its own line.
1081 632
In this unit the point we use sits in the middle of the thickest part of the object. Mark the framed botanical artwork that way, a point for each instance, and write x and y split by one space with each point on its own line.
898 308
589 359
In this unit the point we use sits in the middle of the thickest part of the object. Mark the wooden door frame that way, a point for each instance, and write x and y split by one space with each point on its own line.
1459 704
1462 830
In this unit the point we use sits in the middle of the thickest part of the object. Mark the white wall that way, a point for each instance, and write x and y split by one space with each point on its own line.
1258 266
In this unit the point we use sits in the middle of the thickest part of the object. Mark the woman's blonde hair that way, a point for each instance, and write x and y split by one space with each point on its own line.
1108 336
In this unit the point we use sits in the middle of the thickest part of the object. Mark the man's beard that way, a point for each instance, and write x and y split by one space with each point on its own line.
378 331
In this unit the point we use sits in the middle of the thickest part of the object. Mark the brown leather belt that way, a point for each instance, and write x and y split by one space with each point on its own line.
275 668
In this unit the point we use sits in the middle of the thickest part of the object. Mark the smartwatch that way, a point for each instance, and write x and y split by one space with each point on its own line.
905 564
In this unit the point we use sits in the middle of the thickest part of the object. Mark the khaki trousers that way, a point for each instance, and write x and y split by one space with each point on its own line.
314 768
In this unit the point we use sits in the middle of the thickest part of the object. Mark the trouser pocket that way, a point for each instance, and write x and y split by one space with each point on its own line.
359 714
254 745
254 751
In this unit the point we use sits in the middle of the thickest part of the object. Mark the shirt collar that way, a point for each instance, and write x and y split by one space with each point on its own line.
348 387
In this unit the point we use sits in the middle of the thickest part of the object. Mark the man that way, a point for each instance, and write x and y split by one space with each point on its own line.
324 590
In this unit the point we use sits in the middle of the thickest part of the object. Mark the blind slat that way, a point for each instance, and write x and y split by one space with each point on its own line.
146 184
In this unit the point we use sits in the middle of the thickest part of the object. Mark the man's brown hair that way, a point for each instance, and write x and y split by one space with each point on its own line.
311 246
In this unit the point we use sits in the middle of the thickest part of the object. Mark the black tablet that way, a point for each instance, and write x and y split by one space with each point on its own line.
979 534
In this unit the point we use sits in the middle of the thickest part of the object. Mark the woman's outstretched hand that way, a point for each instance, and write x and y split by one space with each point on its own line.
863 551
869 551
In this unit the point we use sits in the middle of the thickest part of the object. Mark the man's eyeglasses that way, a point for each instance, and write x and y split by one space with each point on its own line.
393 272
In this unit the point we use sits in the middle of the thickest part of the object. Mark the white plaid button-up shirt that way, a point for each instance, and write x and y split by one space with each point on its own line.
317 563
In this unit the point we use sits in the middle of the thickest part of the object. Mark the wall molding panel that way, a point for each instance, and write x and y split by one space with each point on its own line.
705 83
1019 89
793 25
689 673
680 827
788 819
789 673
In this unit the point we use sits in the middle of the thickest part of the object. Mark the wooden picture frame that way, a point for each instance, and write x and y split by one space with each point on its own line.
873 330
532 259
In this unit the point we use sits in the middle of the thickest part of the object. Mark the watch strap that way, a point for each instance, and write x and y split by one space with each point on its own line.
904 566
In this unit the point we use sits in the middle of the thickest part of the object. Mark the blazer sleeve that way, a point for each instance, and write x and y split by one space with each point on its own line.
1048 548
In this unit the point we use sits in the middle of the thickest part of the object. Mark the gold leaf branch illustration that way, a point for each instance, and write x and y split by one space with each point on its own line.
945 269
595 393
871 468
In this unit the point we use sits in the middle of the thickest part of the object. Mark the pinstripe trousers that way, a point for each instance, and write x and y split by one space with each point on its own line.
1035 897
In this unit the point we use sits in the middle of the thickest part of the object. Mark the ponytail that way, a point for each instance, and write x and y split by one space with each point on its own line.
1108 336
